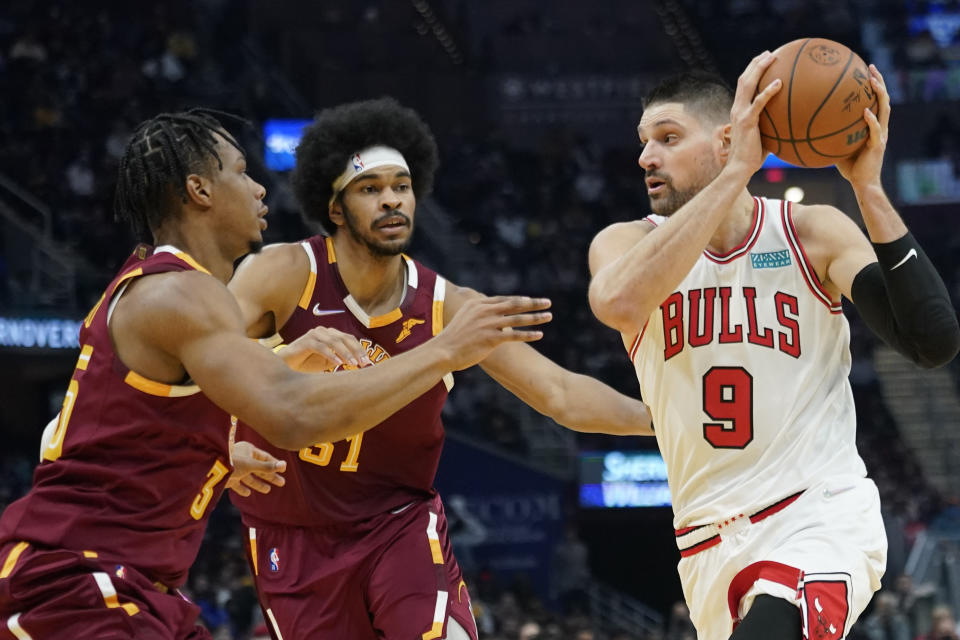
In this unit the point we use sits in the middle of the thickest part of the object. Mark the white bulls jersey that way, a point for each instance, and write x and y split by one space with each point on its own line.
744 368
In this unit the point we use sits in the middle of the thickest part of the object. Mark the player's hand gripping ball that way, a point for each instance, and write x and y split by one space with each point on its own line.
817 116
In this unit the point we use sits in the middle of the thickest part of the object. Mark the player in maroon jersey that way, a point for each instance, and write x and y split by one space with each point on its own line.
356 545
139 455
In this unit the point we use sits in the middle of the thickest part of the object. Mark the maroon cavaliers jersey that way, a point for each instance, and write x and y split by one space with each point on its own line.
383 468
134 466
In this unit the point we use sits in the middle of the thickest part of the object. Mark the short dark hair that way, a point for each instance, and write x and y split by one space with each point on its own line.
339 132
160 154
705 93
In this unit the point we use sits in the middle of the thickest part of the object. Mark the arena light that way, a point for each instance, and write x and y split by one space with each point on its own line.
793 194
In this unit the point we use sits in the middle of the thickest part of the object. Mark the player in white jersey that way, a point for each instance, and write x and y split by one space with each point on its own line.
729 306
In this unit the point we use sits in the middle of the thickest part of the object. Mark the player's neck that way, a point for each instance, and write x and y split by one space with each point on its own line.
377 283
197 243
735 227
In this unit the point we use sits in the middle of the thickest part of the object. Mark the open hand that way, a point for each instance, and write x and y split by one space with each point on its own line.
255 469
324 349
749 101
483 323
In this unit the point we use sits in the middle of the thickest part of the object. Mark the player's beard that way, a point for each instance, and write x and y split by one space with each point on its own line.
669 202
374 246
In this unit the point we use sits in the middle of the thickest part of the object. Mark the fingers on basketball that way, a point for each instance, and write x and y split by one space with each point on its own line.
818 116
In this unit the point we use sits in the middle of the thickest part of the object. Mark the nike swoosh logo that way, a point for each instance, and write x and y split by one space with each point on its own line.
829 493
910 254
317 311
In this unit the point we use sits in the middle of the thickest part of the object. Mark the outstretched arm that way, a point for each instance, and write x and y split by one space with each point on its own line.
573 400
191 318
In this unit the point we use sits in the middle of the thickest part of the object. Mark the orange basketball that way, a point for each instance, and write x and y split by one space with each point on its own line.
817 116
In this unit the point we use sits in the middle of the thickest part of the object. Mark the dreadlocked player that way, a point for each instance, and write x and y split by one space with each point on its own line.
139 456
355 545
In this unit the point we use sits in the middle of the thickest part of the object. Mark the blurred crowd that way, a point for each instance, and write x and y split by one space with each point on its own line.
84 78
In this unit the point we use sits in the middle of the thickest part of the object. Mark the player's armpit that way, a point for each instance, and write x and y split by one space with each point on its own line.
268 286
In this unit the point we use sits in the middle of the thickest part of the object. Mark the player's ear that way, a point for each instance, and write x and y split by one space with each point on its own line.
336 212
723 141
198 190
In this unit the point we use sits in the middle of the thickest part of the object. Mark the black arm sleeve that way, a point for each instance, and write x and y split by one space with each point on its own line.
904 301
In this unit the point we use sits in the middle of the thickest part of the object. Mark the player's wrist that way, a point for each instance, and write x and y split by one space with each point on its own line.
738 172
441 355
870 193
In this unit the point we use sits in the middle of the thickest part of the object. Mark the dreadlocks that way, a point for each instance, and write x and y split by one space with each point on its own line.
160 154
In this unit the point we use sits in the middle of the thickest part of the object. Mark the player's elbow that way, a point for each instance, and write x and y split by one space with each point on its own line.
283 430
292 428
614 309
939 343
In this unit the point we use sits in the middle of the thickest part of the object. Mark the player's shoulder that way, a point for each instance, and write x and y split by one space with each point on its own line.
272 271
616 239
177 295
815 223
630 228
166 308
284 257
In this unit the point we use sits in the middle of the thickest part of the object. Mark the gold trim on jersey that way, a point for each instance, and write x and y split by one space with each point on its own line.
90 554
93 312
186 257
439 293
304 302
109 593
253 551
12 558
84 360
436 630
155 388
371 322
435 551
331 252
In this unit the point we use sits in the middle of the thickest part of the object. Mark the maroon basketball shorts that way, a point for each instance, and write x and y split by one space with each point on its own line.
58 594
393 576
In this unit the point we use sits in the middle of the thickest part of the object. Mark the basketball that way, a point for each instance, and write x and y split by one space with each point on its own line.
817 116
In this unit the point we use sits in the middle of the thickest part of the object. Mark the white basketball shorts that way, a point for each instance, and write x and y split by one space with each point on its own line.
825 552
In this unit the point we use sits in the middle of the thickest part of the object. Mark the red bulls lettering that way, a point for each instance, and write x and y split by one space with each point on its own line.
726 333
787 303
672 309
764 339
695 318
696 338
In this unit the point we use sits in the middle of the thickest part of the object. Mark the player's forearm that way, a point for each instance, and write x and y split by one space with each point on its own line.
624 293
331 407
589 406
881 219
576 401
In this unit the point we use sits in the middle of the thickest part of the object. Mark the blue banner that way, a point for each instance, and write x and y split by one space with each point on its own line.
504 516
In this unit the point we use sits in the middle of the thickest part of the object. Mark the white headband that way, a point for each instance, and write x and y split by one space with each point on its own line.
366 160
